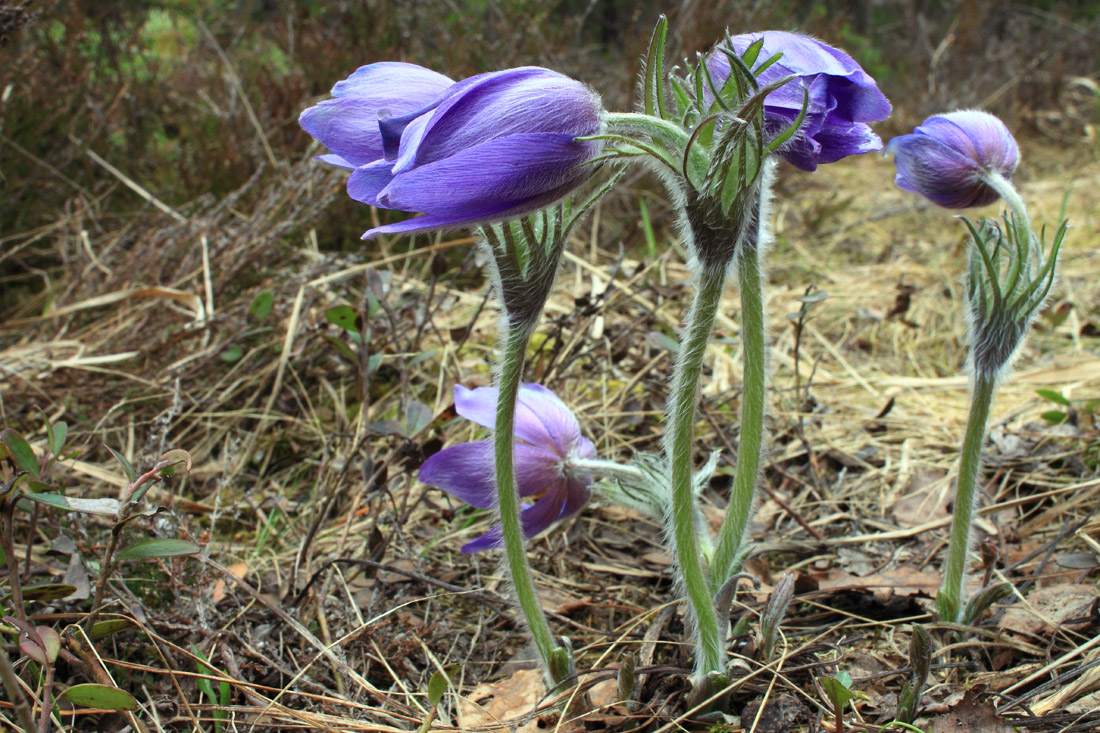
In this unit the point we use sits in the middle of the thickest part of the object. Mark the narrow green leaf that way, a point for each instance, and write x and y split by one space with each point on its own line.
1054 417
345 351
837 689
104 697
55 437
261 307
108 627
421 357
1049 394
373 362
105 506
417 416
20 451
47 592
127 467
158 548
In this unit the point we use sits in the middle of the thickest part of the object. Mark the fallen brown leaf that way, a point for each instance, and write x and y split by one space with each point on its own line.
1047 608
971 715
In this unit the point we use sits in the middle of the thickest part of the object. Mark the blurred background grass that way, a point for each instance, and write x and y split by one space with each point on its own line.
192 98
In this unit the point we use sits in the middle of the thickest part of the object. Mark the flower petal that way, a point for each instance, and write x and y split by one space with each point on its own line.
348 124
501 104
395 86
542 419
466 471
839 141
333 159
534 519
472 217
941 174
347 127
507 172
978 135
856 95
541 412
366 182
578 492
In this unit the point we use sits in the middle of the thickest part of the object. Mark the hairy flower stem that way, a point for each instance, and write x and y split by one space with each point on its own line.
1011 196
710 654
949 599
508 380
753 343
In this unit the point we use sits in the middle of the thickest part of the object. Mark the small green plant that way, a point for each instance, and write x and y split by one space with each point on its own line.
25 486
920 661
839 692
1067 409
224 694
437 686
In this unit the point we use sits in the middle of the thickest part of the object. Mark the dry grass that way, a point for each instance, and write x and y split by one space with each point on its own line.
330 587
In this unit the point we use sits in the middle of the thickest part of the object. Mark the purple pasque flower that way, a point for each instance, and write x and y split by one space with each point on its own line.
843 98
547 439
950 158
495 146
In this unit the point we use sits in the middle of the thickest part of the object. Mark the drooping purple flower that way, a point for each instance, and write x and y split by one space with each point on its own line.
949 158
492 147
843 98
547 439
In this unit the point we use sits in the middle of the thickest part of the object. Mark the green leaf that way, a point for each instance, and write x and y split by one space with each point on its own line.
1055 417
261 307
815 297
127 467
417 416
422 356
345 351
104 697
1050 394
158 548
20 451
108 627
232 353
46 592
343 316
105 506
439 681
373 362
837 689
56 435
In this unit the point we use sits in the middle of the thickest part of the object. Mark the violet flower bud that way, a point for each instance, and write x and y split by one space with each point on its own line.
547 437
841 97
950 158
495 146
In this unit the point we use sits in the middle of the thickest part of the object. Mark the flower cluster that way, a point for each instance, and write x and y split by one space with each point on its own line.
503 152
495 146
